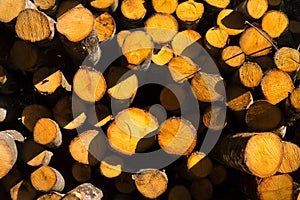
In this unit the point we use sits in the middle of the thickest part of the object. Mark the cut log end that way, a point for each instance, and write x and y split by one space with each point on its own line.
233 56
182 68
274 23
291 158
133 9
256 8
218 4
190 11
238 98
216 37
9 10
287 59
168 6
111 166
105 26
250 74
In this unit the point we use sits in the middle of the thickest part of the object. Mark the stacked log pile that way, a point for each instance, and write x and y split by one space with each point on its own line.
74 112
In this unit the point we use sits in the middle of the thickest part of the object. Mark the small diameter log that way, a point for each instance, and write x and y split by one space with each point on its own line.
247 151
33 25
47 179
47 80
172 97
291 158
218 175
24 55
255 42
51 196
253 9
89 84
35 154
111 166
78 35
81 173
182 68
163 56
121 36
278 187
276 85
238 98
69 112
263 116
161 27
124 183
23 190
168 6
295 98
137 47
105 26
49 6
287 59
214 117
215 39
84 191
47 132
250 74
184 39
133 12
201 189
32 113
218 4
274 23
9 10
179 192
177 136
129 127
99 115
199 164
189 13
231 21
88 147
205 87
233 56
151 183
109 6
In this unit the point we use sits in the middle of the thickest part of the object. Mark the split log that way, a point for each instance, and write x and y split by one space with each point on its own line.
35 154
23 190
231 21
238 98
199 164
99 115
133 12
168 6
287 59
263 116
214 117
89 84
254 42
189 13
81 173
179 192
111 166
78 35
47 179
51 196
137 47
47 132
274 23
105 26
215 39
278 187
34 26
47 80
177 136
129 127
276 85
151 183
124 183
205 87
241 152
162 56
253 9
201 189
218 175
291 158
108 6
69 112
161 32
88 147
84 191
32 113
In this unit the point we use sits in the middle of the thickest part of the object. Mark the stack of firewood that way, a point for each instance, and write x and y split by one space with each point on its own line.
69 124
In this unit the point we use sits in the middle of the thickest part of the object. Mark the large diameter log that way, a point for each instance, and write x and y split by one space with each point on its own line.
9 10
151 183
291 158
168 6
47 179
276 85
247 152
